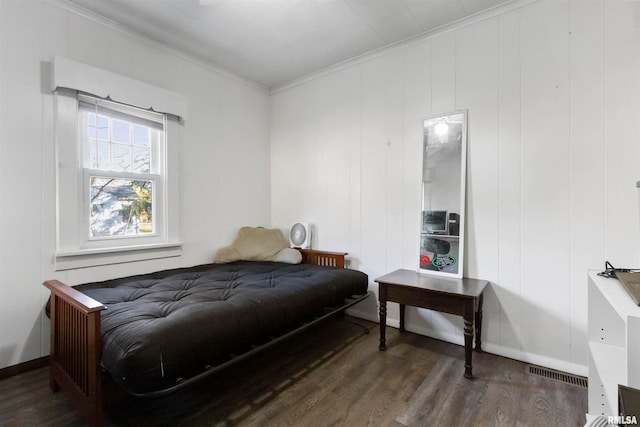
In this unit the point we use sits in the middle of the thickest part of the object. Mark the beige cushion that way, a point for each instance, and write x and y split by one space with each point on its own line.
258 244
226 254
288 255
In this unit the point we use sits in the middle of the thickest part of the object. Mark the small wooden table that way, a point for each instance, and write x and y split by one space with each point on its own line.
462 297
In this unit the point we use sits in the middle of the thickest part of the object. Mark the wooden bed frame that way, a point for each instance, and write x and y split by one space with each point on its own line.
76 342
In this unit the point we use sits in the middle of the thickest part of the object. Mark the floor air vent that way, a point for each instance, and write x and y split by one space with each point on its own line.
557 376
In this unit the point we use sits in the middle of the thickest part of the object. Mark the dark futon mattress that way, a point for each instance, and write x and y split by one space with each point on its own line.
161 327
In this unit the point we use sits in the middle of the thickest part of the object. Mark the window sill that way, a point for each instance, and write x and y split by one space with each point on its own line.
83 258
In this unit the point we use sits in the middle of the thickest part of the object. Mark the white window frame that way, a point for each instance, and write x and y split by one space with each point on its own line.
75 248
157 174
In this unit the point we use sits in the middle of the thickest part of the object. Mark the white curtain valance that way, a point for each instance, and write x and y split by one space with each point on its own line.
95 81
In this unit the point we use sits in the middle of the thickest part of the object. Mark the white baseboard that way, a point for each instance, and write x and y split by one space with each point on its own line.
536 359
523 356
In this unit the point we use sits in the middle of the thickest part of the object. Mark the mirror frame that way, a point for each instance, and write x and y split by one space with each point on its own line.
463 180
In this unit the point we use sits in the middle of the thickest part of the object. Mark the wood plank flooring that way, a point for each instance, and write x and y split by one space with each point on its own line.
333 376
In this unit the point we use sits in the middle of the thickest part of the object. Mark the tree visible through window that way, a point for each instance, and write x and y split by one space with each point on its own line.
122 149
120 207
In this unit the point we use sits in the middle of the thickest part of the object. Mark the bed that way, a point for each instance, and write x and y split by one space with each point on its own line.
156 333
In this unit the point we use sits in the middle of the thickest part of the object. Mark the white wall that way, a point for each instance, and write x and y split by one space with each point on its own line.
224 157
553 99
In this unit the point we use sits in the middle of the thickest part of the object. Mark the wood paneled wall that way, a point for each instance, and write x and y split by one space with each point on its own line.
552 93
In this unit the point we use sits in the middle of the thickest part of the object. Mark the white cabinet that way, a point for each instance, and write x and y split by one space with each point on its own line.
614 343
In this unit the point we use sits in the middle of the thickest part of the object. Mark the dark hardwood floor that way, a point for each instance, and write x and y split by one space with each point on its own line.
333 376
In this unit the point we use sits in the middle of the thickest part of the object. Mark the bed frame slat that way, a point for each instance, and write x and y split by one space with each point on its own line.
323 258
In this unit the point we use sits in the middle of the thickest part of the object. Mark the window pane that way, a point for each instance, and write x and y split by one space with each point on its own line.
141 160
120 157
120 207
140 135
99 152
120 131
98 126
91 120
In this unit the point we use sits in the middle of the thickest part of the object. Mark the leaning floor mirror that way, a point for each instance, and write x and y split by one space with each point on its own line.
443 194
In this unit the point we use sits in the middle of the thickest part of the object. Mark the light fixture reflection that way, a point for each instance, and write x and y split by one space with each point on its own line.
441 129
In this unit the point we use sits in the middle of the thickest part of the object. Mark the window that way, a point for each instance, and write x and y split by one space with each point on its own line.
117 167
123 157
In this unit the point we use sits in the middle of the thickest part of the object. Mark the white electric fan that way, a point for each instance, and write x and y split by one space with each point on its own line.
300 235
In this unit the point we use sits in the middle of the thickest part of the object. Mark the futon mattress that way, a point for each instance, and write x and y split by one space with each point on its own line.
162 327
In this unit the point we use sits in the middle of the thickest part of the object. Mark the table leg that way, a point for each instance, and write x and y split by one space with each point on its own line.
383 324
468 338
402 318
479 325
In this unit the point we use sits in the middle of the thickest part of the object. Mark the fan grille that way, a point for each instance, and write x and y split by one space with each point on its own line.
298 234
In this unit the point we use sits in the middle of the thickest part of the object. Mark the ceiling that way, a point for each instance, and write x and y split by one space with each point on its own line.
274 42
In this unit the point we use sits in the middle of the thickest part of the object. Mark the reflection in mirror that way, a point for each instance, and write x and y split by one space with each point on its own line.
443 194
